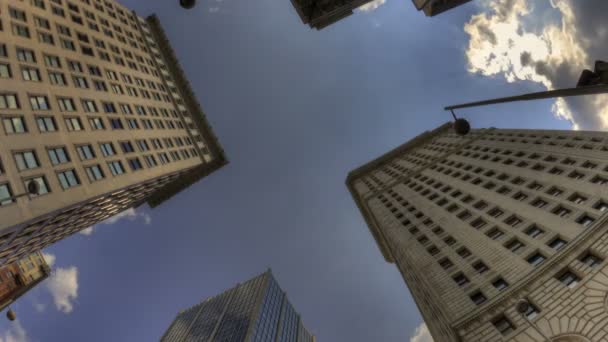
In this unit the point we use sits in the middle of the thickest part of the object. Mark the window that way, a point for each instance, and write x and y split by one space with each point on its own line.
460 279
577 199
96 124
515 246
555 191
116 124
576 175
126 147
464 253
495 212
495 234
58 155
5 71
26 55
568 278
534 231
478 298
52 61
116 168
601 206
94 173
57 78
535 186
26 160
465 215
135 165
561 212
590 259
73 124
532 311
599 180
107 149
46 124
43 187
9 101
536 259
585 220
500 284
66 104
14 125
478 223
480 267
17 14
20 30
39 102
446 263
449 241
503 325
89 106
30 74
539 203
557 243
150 161
513 221
68 179
85 152
6 195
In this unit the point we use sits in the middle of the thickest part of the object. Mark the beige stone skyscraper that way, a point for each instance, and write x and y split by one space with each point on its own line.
95 108
477 224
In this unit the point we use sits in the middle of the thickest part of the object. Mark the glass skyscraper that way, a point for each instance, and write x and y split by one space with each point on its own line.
256 311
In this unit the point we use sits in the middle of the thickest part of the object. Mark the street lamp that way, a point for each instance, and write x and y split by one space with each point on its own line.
522 307
187 4
33 189
589 83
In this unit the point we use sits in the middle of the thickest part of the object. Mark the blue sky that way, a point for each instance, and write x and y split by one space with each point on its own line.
296 110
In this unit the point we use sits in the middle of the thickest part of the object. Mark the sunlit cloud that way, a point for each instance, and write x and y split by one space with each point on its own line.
553 55
63 285
422 334
87 231
372 5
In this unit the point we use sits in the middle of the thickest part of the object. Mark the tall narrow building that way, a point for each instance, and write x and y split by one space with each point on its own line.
95 108
255 311
479 224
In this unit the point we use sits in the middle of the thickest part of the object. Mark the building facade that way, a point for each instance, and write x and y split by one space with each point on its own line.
319 14
18 278
476 224
434 7
95 108
256 311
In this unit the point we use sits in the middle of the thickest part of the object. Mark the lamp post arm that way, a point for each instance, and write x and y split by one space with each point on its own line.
568 92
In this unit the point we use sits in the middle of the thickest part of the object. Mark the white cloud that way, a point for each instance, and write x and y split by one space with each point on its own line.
130 214
49 258
421 334
503 42
15 333
87 231
372 5
63 285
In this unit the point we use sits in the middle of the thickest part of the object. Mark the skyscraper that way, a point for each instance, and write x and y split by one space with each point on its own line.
480 223
95 108
322 13
434 7
256 311
18 278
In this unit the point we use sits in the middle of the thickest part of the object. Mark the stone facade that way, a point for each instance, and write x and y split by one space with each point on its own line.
477 223
95 108
255 311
